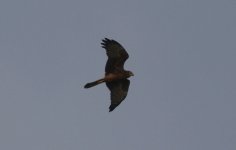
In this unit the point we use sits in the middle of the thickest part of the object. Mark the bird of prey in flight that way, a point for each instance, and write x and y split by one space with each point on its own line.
116 77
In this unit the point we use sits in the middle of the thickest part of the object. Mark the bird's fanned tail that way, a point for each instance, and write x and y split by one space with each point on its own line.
91 84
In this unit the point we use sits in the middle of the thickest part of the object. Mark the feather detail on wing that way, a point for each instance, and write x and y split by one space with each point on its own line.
117 55
119 90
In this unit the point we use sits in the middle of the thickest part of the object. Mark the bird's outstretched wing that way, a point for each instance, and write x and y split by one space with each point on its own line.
119 90
117 55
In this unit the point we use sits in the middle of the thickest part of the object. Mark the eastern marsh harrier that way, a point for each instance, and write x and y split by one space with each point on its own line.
115 75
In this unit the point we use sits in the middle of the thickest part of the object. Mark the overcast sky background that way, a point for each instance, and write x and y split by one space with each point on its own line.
182 97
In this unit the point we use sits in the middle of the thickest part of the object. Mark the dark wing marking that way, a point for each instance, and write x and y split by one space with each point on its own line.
119 90
117 55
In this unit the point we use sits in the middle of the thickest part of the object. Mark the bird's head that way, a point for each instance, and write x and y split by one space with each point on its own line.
129 74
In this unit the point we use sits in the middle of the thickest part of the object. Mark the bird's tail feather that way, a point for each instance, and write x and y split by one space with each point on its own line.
91 84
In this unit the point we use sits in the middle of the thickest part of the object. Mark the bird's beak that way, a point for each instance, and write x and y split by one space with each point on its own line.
131 74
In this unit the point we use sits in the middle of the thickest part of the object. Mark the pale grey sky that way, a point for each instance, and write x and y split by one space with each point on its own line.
182 97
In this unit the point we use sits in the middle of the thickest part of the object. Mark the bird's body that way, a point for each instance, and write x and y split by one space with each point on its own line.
115 75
